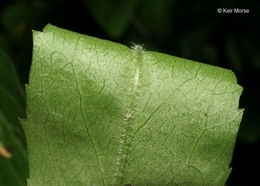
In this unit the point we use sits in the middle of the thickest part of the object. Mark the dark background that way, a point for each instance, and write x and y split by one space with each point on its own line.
189 29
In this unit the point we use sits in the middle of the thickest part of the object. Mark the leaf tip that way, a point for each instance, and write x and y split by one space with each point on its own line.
48 27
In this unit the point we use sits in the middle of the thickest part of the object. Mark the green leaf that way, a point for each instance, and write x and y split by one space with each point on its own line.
99 113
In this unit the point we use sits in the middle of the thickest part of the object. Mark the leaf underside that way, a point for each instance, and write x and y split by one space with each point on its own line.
100 113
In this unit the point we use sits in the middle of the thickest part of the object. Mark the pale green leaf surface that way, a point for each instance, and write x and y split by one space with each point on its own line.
99 113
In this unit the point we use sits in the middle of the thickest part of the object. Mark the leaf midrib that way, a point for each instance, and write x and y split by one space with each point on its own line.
128 121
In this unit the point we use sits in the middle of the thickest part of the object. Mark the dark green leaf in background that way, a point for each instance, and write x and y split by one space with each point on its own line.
14 18
13 171
112 15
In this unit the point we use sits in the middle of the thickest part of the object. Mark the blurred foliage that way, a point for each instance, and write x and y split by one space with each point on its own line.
13 171
189 29
113 16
